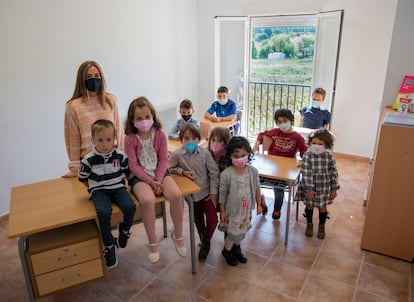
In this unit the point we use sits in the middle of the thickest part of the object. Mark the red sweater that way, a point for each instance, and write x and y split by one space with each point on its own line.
284 144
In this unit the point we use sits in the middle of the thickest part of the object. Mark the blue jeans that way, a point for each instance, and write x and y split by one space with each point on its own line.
102 200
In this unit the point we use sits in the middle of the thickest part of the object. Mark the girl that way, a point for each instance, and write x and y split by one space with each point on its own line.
239 191
89 102
217 143
146 147
319 182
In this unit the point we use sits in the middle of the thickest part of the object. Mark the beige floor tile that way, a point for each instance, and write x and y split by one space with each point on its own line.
392 264
362 296
159 291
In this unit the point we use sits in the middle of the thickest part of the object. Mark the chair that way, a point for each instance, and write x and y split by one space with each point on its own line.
204 129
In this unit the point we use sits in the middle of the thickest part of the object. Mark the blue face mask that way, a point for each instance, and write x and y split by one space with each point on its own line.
191 147
316 104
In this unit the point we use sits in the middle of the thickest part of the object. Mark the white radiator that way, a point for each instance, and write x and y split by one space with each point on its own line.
168 115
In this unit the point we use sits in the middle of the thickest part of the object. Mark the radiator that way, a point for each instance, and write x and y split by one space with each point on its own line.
168 116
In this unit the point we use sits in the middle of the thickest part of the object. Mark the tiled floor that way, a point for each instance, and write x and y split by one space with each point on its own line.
307 269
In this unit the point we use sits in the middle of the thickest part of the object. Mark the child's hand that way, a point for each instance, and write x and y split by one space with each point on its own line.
190 174
310 195
259 209
332 195
223 217
214 118
70 174
157 187
213 199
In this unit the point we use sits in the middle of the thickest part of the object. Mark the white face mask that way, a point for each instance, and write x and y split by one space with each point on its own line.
285 127
223 102
316 104
317 149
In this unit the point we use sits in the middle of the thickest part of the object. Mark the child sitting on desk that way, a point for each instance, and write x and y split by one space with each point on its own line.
285 142
103 171
313 116
197 163
186 111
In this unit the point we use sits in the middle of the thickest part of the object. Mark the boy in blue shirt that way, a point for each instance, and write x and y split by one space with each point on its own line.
186 111
313 116
224 108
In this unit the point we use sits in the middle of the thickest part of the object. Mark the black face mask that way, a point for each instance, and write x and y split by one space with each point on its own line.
186 117
93 84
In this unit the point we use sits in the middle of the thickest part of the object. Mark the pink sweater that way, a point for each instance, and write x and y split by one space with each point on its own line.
133 148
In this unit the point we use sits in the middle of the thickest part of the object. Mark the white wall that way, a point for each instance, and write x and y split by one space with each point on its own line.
145 47
366 39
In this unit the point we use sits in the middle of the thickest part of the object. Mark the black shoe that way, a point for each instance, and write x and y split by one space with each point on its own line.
204 250
123 237
110 257
236 250
228 255
276 215
321 231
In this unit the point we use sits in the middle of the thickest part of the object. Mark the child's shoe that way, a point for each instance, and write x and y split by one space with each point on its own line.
123 237
321 231
110 258
237 253
309 230
153 256
228 255
204 250
276 215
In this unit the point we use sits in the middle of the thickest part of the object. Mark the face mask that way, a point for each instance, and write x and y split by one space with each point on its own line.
191 147
316 104
317 149
240 162
186 117
216 147
93 84
285 127
223 102
144 125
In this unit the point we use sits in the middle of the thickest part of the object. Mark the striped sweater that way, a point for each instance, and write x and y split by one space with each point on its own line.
80 114
104 172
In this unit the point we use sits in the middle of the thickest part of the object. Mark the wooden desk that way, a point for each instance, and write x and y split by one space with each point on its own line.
212 124
173 145
280 168
47 205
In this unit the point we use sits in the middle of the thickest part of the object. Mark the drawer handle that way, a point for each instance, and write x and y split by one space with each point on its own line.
77 277
60 259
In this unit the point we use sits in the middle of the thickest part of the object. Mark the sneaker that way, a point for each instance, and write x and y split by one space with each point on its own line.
110 258
123 237
321 231
309 230
204 250
236 250
228 255
276 215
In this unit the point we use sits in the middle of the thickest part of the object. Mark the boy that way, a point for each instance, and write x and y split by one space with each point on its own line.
197 163
224 108
186 111
103 171
313 116
285 142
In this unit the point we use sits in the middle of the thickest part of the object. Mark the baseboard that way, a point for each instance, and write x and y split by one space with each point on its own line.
358 158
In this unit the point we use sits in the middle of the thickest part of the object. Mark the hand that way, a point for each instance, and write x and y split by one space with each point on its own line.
223 217
259 209
157 187
310 195
214 118
190 174
332 195
213 199
70 174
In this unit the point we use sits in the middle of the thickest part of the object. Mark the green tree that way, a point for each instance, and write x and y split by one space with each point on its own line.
282 43
305 46
254 50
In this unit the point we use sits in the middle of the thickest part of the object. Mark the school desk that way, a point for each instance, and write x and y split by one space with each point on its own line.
47 211
279 168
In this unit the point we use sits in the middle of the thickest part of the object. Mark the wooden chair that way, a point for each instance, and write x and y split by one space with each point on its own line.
204 130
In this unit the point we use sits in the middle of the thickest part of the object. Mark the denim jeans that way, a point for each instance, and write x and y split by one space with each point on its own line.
102 200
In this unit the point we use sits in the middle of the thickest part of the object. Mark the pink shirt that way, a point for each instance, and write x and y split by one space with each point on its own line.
132 149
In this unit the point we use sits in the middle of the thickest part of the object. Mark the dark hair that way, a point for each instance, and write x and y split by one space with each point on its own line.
99 125
238 142
222 133
321 91
222 89
324 135
186 104
140 102
283 112
192 128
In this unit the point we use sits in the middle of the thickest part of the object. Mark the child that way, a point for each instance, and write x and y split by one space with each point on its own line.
313 116
239 191
224 108
186 111
103 171
197 164
285 142
146 147
217 143
319 182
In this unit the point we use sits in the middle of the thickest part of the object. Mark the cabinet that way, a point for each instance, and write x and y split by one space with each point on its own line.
64 257
389 223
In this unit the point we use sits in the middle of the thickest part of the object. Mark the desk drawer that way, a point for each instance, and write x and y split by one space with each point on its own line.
65 256
70 276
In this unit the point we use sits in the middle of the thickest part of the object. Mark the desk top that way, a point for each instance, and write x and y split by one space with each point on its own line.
58 202
226 124
277 167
